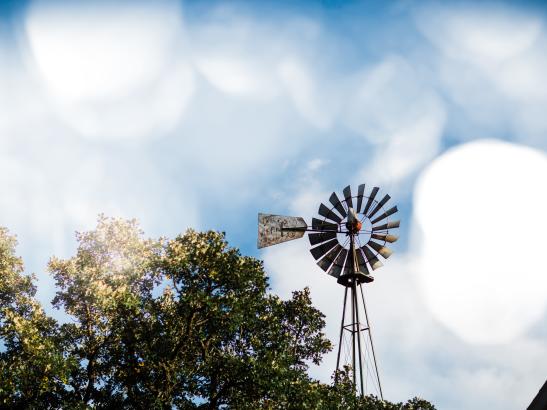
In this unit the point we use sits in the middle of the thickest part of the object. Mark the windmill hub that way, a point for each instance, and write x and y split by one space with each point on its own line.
353 224
354 228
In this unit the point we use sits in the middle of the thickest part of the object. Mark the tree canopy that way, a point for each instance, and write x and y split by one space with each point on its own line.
185 323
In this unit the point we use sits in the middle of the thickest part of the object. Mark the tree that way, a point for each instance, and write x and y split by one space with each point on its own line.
185 323
32 366
103 289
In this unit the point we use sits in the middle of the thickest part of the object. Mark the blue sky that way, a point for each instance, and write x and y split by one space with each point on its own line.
203 114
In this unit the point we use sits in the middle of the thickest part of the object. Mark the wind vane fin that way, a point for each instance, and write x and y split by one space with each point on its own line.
274 229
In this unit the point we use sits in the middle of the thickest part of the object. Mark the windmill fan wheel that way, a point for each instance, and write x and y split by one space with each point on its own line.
351 233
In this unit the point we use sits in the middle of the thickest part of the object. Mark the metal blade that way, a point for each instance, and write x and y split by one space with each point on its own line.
327 213
379 205
322 249
336 202
361 262
325 226
389 225
272 229
316 238
327 261
371 258
336 267
385 237
370 199
360 193
347 196
347 267
390 211
381 249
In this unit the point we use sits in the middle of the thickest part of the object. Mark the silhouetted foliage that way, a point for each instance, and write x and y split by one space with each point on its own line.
185 323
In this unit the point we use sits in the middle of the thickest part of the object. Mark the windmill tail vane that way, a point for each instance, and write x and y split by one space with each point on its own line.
346 239
275 229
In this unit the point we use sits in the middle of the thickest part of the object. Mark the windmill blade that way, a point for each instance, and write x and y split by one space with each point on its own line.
370 199
389 225
360 193
327 213
381 249
390 211
336 202
336 267
361 262
274 229
347 196
348 268
329 258
316 238
379 205
385 237
322 225
322 249
371 258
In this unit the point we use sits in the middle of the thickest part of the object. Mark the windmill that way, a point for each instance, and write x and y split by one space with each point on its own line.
346 240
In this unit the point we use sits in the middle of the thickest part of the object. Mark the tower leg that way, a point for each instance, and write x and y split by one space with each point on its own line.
341 335
371 344
358 338
354 331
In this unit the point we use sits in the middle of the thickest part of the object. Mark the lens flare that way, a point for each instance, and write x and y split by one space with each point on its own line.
480 212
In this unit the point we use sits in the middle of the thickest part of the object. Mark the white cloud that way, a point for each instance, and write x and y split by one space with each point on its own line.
52 196
246 59
395 108
492 65
406 152
88 52
319 105
308 191
150 112
386 98
236 55
524 79
234 75
479 209
112 71
484 35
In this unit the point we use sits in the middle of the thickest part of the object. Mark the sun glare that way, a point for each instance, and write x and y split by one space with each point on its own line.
480 214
